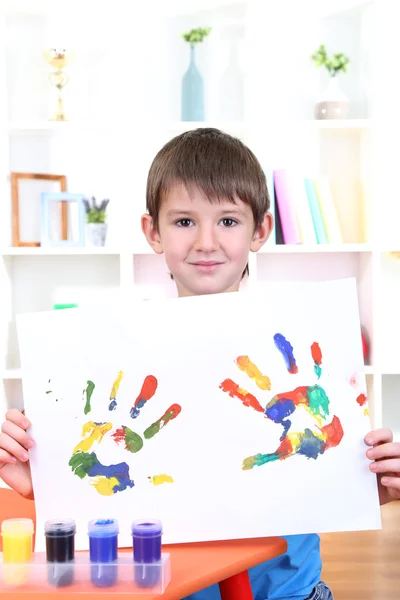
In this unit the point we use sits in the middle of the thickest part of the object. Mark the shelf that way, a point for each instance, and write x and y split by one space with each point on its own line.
59 251
176 127
144 250
12 374
314 249
391 370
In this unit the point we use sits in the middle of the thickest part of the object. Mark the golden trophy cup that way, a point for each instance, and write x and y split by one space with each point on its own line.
59 59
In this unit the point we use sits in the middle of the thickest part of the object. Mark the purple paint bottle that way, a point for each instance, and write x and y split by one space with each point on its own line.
103 551
60 551
146 538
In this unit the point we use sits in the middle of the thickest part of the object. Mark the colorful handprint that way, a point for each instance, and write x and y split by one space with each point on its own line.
110 479
312 398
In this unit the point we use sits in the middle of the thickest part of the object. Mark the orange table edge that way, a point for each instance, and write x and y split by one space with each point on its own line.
193 566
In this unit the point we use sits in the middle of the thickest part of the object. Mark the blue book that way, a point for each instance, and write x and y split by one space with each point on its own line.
317 218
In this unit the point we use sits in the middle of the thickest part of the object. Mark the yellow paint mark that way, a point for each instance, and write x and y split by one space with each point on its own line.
96 433
366 412
104 485
159 479
116 384
317 418
242 391
261 381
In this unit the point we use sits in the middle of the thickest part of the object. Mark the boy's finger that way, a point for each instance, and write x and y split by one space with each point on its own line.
18 418
6 458
18 434
13 448
379 436
391 465
384 451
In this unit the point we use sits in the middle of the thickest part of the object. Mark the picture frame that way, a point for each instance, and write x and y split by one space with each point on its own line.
16 178
74 236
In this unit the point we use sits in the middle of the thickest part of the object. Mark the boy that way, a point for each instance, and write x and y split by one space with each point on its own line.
208 207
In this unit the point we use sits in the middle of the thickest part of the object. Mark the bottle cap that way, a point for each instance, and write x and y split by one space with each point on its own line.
17 527
60 527
103 528
146 527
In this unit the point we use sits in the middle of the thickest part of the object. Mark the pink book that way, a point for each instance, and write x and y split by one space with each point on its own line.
286 206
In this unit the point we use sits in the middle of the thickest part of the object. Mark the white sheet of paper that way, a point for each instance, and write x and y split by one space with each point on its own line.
191 346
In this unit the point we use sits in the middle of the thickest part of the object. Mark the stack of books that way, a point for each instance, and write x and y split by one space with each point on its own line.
303 208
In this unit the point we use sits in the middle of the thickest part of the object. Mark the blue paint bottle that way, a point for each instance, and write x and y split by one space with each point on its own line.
103 551
146 538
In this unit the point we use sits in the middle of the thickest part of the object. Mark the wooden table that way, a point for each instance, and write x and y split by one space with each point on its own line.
194 566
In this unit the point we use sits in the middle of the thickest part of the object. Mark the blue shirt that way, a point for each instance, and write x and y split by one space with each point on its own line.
291 576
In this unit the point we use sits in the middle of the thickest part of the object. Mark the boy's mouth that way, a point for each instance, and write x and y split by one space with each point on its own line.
206 266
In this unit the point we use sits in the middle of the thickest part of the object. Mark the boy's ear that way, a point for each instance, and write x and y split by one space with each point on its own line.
151 233
262 232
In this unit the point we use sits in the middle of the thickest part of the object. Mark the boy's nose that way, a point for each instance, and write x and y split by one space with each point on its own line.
206 239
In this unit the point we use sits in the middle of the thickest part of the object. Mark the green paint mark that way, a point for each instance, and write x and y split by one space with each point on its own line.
258 460
49 392
317 370
133 441
171 413
82 462
89 391
318 401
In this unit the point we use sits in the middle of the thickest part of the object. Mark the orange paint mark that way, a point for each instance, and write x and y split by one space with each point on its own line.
236 392
362 399
316 353
261 381
285 449
148 388
333 432
119 435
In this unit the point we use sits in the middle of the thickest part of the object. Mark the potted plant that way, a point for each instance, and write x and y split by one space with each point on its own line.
333 104
192 83
96 216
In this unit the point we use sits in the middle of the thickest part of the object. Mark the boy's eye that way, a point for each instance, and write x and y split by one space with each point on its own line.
228 222
184 223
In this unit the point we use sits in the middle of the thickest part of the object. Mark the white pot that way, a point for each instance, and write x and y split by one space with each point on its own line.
96 234
333 103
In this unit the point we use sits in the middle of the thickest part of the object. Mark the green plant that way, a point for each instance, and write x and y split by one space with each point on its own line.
338 62
197 35
95 213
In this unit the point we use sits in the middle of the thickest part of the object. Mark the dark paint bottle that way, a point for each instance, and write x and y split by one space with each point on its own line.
146 538
103 550
60 551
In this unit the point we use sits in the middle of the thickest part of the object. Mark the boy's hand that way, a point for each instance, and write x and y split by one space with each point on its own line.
14 458
386 456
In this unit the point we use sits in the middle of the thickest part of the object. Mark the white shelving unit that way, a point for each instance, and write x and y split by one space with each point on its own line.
124 103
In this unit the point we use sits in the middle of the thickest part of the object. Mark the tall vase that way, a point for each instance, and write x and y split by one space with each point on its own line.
192 91
333 103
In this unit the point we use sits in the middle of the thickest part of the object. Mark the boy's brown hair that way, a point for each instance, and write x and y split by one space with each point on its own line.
215 162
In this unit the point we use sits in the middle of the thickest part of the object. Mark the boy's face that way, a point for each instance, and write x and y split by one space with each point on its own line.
206 245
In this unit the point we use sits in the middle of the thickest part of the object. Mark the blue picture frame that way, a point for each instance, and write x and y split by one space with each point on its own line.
46 199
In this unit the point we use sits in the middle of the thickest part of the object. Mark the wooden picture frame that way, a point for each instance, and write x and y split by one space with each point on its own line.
15 178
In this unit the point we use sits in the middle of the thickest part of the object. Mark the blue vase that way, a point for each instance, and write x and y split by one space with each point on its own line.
192 91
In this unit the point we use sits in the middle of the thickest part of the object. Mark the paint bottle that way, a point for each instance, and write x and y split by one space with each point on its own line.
146 538
103 551
60 551
17 537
